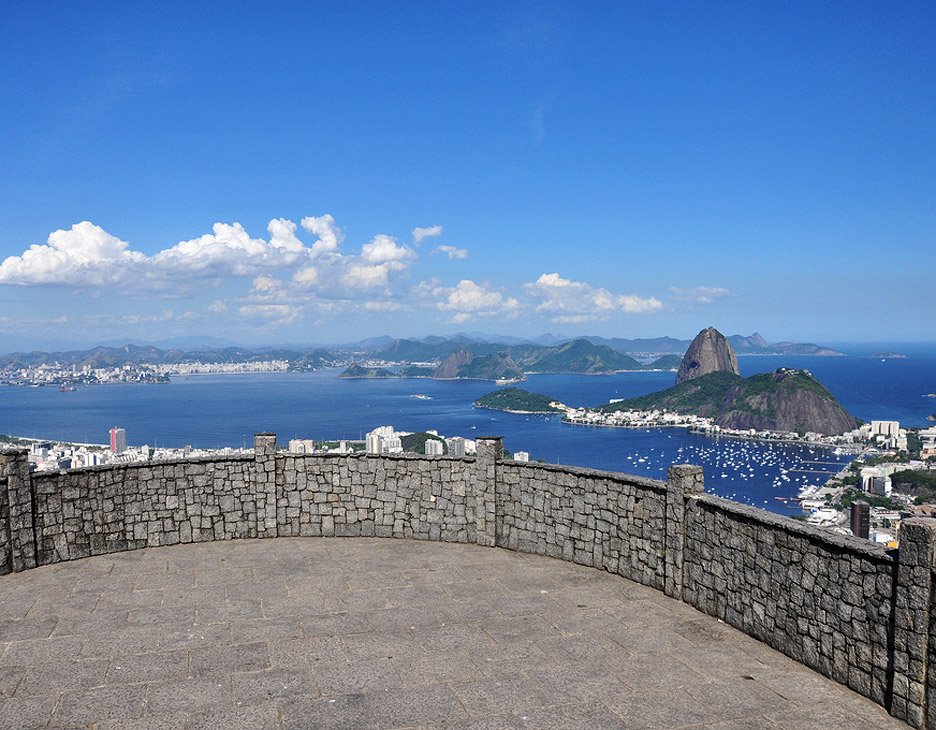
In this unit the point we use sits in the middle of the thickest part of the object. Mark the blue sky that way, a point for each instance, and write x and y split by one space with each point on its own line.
320 173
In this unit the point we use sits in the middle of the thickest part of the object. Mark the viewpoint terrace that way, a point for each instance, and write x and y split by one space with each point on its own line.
665 551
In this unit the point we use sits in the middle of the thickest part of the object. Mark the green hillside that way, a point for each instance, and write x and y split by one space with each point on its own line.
785 400
701 396
416 442
581 356
664 362
517 400
358 371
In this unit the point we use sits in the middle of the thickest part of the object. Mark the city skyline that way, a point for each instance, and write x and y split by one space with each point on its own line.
323 175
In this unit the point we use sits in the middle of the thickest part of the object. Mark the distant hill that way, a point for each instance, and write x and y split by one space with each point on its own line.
785 400
664 362
415 443
103 357
464 364
358 371
517 400
582 356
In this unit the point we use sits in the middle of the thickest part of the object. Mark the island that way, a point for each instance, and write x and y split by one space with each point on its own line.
359 371
517 400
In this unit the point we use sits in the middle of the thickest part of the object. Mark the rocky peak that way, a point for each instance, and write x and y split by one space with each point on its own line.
710 352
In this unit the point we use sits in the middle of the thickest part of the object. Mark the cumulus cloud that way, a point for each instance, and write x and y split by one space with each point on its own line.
567 301
382 249
307 276
326 230
699 294
453 253
283 236
227 251
468 300
420 234
84 255
217 307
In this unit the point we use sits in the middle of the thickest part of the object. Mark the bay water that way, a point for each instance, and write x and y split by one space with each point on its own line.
210 411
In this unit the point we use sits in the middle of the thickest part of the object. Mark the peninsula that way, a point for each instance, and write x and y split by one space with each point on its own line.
517 400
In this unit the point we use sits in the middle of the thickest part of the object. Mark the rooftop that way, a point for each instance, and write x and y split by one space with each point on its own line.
366 632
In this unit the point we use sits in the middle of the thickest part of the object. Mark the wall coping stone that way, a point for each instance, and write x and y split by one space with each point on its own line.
143 465
811 532
615 476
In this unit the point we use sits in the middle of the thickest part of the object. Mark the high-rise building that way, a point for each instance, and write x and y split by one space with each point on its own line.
861 519
118 440
456 446
434 448
374 443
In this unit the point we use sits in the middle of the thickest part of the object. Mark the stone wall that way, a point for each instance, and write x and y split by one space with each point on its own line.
608 521
823 599
842 606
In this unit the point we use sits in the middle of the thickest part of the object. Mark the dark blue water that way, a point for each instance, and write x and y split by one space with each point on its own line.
214 411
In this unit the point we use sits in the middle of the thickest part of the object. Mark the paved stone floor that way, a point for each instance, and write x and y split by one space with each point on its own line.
308 633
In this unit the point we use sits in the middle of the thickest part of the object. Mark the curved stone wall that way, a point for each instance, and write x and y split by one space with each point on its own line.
842 606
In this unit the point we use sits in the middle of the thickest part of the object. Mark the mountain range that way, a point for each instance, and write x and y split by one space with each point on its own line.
548 354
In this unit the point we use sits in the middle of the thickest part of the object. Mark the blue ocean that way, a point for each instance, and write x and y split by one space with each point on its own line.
225 410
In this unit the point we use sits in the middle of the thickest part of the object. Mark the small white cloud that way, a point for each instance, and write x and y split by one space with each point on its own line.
699 294
283 236
567 301
306 277
266 284
217 307
468 300
326 230
382 249
275 314
382 305
453 253
362 276
421 234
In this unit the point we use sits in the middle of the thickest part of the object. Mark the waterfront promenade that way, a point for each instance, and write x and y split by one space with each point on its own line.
349 632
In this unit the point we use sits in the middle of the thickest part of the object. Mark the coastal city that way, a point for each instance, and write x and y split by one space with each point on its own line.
867 497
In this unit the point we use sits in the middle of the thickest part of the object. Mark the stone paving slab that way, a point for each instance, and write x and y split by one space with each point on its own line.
351 633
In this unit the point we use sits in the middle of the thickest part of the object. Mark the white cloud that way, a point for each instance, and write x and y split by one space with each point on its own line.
227 251
274 314
85 255
306 277
266 284
382 305
453 253
699 294
468 300
283 236
217 307
362 276
567 301
420 234
382 249
326 230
